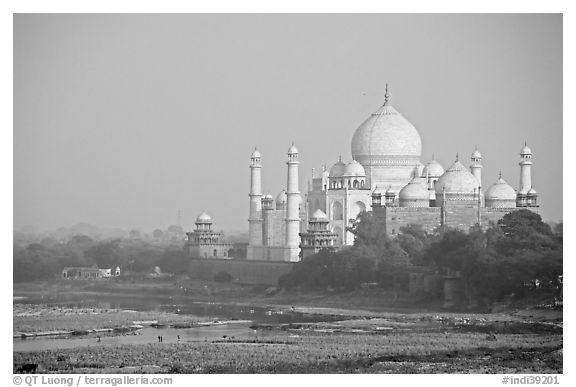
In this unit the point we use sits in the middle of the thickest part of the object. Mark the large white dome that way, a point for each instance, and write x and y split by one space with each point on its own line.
386 133
388 147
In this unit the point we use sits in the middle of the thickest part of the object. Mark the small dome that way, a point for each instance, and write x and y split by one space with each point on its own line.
354 168
338 169
414 190
476 154
204 218
433 169
292 150
390 191
281 197
500 191
268 196
319 214
256 154
526 150
456 180
532 191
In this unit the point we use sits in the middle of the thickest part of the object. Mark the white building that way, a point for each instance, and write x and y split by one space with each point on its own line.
385 172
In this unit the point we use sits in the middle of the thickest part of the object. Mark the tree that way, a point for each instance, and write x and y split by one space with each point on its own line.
82 242
523 230
519 254
413 240
371 241
105 254
174 260
465 255
175 230
35 262
134 234
529 254
559 232
157 234
342 270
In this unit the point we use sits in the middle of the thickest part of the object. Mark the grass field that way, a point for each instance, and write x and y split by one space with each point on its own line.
416 352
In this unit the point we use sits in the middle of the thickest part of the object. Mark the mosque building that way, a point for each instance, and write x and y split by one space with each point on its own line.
204 242
386 177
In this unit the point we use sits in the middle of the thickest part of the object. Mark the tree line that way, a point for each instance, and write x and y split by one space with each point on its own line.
45 259
517 255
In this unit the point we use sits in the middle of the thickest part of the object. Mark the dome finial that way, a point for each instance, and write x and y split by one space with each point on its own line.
340 158
386 96
500 174
456 156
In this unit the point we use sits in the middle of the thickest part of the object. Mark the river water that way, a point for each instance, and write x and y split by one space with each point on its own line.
240 317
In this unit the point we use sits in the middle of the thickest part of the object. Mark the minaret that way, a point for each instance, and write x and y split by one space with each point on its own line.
525 169
292 211
525 176
254 250
476 165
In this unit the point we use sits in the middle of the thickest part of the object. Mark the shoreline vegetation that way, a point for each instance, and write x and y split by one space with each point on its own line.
375 339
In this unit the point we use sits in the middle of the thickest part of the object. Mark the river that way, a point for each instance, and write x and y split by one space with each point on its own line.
240 318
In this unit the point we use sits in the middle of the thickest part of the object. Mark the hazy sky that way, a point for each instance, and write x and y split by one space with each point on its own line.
121 120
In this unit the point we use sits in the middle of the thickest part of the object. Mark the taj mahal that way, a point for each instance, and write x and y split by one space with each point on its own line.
385 176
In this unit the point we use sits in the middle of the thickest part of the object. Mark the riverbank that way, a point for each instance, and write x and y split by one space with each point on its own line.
184 290
287 333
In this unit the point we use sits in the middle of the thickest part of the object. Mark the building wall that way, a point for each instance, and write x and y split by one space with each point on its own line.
348 200
207 250
243 272
388 171
396 217
274 236
81 273
316 200
459 217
